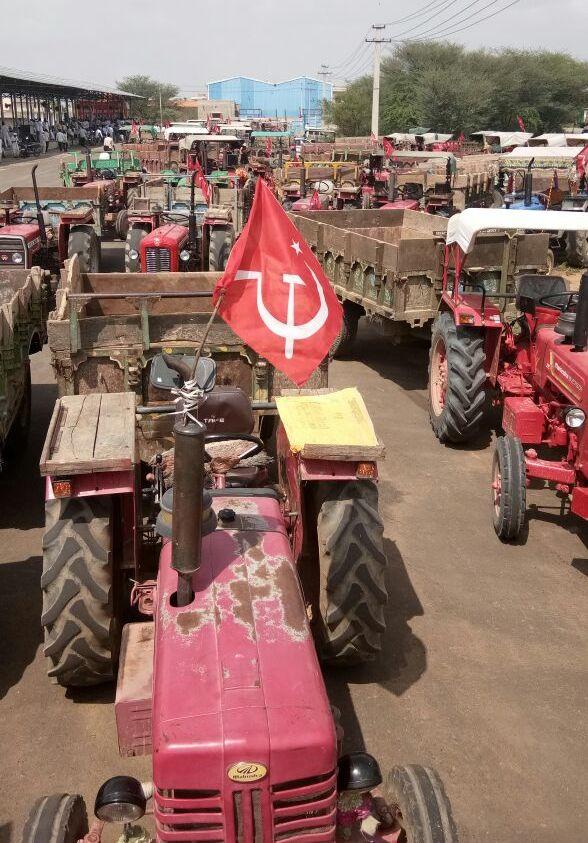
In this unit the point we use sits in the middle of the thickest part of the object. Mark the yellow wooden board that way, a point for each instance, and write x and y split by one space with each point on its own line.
335 418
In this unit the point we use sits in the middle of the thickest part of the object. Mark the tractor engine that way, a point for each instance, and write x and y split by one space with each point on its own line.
19 245
244 743
165 249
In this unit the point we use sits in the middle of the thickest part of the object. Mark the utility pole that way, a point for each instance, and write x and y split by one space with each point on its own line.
160 113
377 41
324 72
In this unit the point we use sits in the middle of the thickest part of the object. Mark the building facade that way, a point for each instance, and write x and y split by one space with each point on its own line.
298 99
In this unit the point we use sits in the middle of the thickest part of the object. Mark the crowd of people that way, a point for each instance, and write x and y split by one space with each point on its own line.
44 135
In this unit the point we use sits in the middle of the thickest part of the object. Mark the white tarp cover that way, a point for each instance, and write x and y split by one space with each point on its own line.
506 138
548 140
541 153
464 227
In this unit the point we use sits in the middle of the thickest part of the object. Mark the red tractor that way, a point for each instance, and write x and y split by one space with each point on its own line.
533 364
184 238
222 685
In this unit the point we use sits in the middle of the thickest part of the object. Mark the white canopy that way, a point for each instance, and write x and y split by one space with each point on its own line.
186 143
463 228
506 138
540 153
548 140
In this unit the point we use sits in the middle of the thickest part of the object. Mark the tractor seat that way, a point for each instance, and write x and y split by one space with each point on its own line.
163 376
538 287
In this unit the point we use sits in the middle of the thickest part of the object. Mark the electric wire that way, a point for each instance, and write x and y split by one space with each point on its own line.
399 36
444 33
423 11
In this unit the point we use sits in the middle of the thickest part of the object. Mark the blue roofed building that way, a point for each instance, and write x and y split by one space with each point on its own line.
298 99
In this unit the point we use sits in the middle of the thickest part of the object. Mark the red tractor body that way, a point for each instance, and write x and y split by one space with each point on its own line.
244 744
160 249
20 245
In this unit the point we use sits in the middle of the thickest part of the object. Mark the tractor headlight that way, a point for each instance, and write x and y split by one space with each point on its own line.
120 799
184 255
575 418
16 257
133 254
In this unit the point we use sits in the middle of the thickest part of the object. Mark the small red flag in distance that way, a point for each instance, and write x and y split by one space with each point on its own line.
275 295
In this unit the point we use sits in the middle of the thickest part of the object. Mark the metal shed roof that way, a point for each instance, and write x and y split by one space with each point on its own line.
14 81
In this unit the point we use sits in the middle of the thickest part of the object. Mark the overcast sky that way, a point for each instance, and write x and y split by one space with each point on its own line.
190 42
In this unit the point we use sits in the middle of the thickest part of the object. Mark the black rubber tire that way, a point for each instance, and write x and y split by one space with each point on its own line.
219 249
508 517
132 193
121 226
352 566
18 436
82 636
346 337
61 818
577 249
135 235
465 402
417 796
84 242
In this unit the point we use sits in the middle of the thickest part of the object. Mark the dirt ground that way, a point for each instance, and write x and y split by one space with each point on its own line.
485 665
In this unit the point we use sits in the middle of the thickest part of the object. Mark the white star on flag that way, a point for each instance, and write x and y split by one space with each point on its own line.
296 247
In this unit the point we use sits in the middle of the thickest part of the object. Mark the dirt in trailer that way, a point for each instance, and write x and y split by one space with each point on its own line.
485 661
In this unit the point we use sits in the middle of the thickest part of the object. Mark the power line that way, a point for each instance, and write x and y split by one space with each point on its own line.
352 55
444 33
439 23
438 11
359 62
423 11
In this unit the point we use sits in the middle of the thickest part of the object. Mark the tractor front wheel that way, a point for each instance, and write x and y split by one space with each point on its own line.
61 818
577 249
417 806
84 242
457 380
219 249
82 635
352 564
509 488
135 235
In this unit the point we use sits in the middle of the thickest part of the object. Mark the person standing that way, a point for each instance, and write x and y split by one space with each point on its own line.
61 139
83 135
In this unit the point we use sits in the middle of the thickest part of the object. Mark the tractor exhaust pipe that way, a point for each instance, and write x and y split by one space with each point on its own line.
529 184
187 505
89 166
40 220
192 216
581 323
392 176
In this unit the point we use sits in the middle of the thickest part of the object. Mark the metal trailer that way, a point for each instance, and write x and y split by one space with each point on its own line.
107 328
25 297
388 264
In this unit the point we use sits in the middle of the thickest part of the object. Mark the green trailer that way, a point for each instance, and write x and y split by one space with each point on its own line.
123 164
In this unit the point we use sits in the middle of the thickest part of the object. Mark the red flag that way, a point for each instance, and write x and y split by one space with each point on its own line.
521 124
388 148
275 294
268 146
134 127
461 138
202 183
582 162
315 202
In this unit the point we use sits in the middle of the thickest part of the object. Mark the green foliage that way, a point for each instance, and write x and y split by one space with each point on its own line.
147 109
451 89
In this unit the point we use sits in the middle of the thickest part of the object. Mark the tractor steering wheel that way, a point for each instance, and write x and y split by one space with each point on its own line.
256 443
572 298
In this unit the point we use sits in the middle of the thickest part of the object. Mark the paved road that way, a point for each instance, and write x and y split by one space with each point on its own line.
485 665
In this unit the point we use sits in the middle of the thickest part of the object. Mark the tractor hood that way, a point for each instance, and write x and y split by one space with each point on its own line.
28 231
243 735
565 369
165 237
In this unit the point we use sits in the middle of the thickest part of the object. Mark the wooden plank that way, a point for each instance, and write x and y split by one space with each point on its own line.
115 435
90 433
298 392
345 453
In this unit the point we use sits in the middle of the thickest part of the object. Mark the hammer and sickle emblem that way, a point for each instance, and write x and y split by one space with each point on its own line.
288 330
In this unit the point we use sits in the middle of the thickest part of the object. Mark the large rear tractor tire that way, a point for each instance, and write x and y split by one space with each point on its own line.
577 249
135 235
457 380
352 565
121 225
347 335
417 801
82 636
219 249
84 242
509 488
61 818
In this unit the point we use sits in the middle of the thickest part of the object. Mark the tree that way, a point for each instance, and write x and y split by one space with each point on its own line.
147 109
451 89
